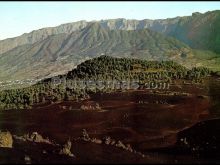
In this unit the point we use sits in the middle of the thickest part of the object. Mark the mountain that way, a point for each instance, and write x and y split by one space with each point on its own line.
113 24
200 31
196 30
59 53
190 40
39 35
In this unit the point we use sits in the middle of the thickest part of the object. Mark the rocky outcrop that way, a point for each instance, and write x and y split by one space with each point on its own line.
6 140
94 106
85 135
107 140
97 141
33 137
37 138
66 150
27 159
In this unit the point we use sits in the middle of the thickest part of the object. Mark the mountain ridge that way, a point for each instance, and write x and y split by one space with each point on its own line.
63 48
62 52
159 25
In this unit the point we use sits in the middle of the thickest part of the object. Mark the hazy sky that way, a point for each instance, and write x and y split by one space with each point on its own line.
21 17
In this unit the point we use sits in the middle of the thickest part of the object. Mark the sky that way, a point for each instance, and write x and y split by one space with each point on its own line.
23 17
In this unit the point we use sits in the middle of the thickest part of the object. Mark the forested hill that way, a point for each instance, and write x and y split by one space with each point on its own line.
102 68
106 67
109 68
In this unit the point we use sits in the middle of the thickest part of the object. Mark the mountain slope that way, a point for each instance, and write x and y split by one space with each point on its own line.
39 35
51 51
200 31
113 24
196 30
60 53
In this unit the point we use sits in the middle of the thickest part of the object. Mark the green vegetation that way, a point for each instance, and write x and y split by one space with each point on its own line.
103 68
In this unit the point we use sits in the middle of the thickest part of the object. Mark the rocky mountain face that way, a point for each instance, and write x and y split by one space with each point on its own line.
188 29
113 24
200 31
39 35
56 50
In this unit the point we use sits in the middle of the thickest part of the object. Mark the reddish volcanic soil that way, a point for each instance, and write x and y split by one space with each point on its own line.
142 118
